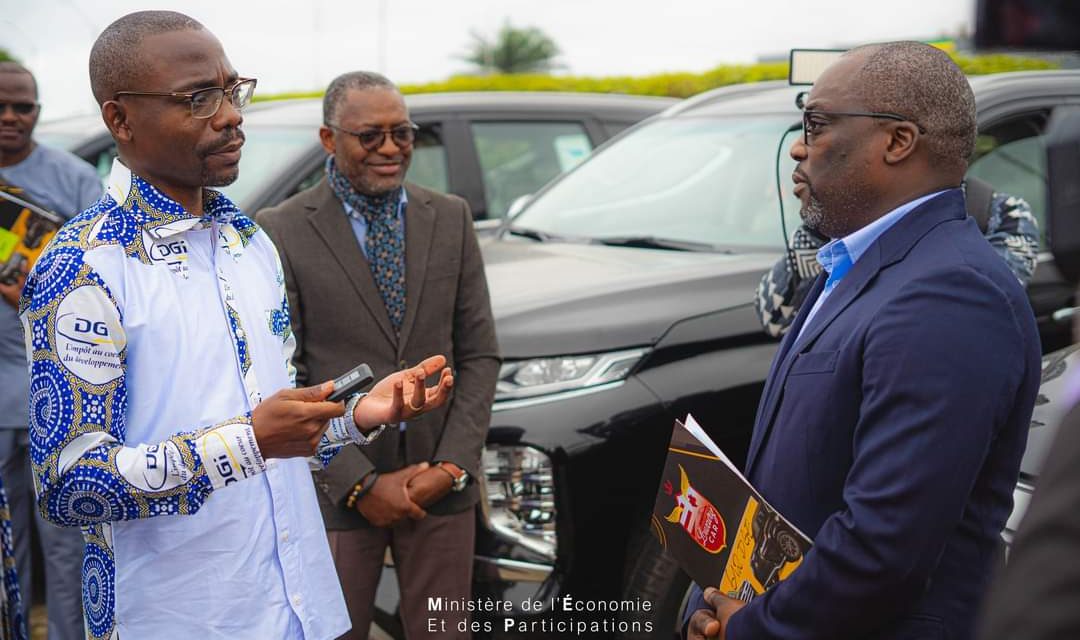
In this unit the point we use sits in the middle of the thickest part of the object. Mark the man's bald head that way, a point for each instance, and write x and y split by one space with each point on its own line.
114 63
921 83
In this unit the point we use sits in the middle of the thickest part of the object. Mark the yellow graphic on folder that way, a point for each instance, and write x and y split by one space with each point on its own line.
763 553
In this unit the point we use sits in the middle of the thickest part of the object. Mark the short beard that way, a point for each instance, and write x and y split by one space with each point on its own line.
220 179
813 214
843 216
228 175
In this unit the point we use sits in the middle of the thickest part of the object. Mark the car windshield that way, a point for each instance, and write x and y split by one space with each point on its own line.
59 139
708 181
267 152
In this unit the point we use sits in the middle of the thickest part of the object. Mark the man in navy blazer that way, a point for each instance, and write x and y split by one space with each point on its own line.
895 415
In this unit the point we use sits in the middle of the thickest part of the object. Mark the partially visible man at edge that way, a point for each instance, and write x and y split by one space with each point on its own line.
888 431
159 341
65 185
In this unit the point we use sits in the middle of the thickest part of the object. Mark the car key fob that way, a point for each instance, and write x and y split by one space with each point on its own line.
351 382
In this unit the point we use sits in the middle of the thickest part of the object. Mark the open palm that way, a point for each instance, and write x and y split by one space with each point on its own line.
403 394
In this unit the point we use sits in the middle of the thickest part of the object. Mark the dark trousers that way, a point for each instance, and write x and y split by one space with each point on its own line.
61 547
433 558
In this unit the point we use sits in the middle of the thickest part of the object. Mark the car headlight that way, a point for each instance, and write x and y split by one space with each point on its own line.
541 376
520 487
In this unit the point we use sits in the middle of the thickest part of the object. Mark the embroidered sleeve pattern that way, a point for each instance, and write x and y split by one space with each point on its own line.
340 432
83 472
278 320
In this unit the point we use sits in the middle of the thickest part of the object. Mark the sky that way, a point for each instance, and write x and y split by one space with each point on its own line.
300 45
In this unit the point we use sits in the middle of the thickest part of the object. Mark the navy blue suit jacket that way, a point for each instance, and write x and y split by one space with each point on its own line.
891 433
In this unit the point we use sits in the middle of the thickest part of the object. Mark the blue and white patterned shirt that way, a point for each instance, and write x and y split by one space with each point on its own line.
151 336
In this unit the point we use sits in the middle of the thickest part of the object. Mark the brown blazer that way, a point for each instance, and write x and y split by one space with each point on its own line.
339 321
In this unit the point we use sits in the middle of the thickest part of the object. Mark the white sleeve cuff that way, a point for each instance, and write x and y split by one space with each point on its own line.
230 453
343 429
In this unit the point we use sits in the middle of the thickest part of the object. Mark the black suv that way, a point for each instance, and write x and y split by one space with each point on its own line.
623 300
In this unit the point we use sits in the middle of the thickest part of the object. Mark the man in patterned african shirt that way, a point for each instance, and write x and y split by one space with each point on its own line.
158 335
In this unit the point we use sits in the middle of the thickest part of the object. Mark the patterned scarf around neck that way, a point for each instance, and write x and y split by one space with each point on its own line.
385 242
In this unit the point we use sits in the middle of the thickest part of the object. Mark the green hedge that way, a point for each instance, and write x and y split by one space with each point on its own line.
679 85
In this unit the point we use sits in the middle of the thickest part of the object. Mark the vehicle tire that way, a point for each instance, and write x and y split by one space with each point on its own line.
653 575
789 546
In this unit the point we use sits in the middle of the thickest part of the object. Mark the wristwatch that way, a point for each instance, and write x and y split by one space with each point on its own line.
459 476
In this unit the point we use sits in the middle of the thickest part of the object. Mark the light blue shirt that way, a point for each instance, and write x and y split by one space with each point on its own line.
152 335
839 255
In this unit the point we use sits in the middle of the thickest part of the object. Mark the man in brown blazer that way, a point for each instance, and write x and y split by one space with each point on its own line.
385 272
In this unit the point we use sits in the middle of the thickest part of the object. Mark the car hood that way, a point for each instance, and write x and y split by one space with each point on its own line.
557 298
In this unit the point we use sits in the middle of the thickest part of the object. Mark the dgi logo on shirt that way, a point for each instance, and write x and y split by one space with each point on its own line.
84 330
169 252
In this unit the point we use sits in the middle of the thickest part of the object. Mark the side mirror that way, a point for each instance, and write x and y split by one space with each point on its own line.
1063 189
807 64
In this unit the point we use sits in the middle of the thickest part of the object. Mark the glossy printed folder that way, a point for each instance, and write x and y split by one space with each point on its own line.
25 230
716 525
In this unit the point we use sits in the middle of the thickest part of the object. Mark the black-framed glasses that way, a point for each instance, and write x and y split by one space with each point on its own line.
814 119
206 102
403 135
20 108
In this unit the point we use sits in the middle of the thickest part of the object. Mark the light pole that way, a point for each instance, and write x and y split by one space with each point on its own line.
383 31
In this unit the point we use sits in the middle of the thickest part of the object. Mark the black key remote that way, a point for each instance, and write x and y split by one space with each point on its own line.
351 382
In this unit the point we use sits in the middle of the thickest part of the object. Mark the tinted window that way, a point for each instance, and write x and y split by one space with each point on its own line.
427 169
266 153
517 158
695 180
428 166
1012 158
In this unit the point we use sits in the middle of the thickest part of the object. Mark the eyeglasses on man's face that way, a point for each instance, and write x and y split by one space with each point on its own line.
373 139
20 108
813 120
206 102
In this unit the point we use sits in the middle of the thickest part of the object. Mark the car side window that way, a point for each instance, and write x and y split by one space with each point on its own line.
1011 157
104 162
427 169
517 158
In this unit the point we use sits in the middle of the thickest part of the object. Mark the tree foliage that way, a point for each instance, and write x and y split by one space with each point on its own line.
5 56
678 85
513 50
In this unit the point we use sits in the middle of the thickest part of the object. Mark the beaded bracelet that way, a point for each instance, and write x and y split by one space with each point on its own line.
361 488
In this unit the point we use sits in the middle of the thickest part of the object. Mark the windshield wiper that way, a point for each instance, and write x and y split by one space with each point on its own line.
544 236
532 234
653 242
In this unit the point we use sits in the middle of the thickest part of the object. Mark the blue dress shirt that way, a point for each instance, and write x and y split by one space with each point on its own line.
840 255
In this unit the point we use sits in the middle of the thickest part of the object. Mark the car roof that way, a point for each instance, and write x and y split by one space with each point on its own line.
307 111
778 97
